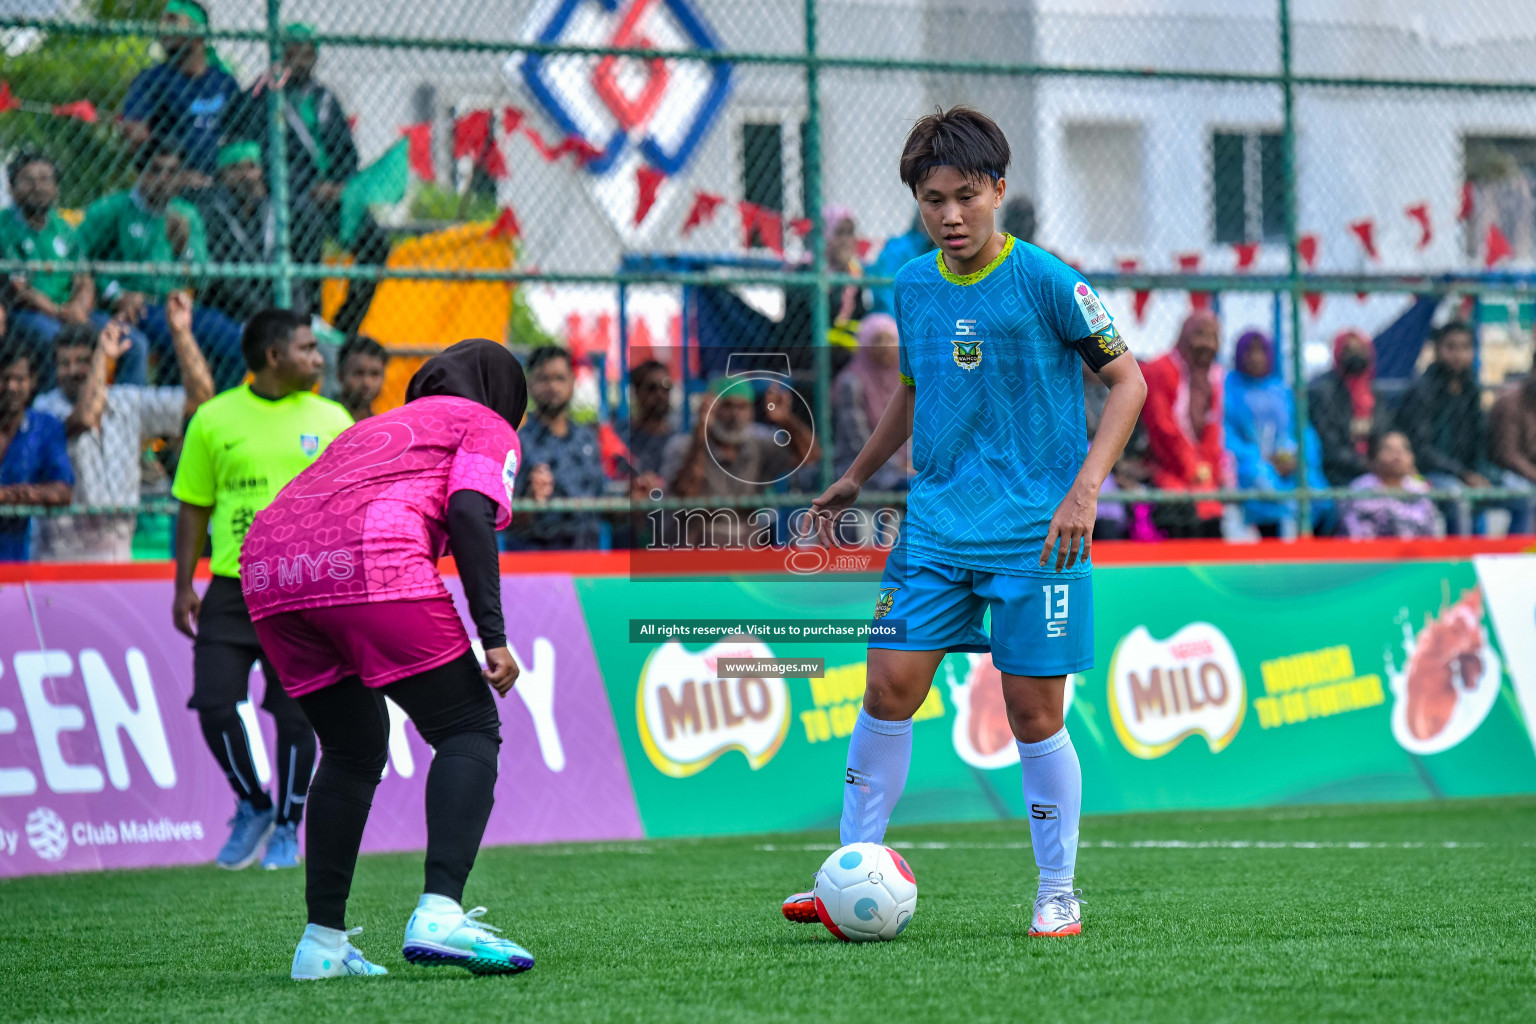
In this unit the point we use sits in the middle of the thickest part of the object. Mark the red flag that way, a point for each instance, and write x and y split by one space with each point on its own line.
419 150
584 150
1496 246
761 226
801 226
1465 212
83 110
473 137
649 179
7 101
470 134
702 210
1141 298
1306 248
548 152
1247 252
1189 262
1420 213
506 225
1365 230
511 119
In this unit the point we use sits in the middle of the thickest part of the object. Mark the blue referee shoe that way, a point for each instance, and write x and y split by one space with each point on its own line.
249 829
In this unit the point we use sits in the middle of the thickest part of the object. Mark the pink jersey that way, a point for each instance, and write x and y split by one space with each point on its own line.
367 521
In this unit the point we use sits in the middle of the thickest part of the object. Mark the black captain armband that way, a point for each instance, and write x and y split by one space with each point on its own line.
1099 350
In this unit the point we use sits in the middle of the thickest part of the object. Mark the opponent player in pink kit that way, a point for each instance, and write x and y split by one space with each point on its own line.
340 575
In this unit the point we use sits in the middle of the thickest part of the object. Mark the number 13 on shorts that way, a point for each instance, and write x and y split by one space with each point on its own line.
1056 608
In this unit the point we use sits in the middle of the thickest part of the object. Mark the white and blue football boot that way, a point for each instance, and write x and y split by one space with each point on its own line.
440 932
329 953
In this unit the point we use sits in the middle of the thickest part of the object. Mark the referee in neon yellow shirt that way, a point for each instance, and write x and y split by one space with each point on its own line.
241 448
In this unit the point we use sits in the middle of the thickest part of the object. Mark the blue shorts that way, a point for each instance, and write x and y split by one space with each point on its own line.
1040 626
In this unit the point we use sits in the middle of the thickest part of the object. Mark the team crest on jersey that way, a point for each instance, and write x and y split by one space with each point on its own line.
887 598
310 443
967 354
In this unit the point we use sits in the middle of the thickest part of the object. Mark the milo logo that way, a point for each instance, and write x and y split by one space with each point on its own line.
688 716
1161 691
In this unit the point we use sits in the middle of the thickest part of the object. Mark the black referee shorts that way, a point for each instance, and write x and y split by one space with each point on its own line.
224 651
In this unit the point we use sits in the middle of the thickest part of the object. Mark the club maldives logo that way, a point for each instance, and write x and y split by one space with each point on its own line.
653 111
46 834
688 717
1161 691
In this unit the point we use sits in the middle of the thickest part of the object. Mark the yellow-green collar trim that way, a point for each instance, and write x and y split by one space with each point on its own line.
963 279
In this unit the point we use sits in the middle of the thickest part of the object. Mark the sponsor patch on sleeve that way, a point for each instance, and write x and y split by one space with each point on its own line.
1092 309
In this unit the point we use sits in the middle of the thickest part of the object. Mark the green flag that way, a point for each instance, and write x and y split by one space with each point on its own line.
381 182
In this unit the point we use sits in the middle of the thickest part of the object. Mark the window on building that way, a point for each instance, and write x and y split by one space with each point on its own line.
1247 187
762 169
1499 189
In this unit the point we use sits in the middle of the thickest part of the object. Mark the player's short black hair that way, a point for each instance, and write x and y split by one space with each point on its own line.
76 336
25 158
640 371
361 345
544 353
154 147
961 137
269 329
1450 327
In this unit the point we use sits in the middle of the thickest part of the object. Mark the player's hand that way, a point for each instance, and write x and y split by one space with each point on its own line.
1072 527
178 312
113 340
843 493
541 482
501 670
184 611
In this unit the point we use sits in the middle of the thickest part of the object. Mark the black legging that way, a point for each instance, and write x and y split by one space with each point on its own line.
454 711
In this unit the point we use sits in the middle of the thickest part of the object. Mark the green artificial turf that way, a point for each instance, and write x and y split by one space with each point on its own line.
1381 919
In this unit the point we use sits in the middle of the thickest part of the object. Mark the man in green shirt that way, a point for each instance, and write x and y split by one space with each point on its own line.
45 301
241 448
150 223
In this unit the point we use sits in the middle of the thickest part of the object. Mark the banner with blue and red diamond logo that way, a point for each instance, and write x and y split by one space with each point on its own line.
642 121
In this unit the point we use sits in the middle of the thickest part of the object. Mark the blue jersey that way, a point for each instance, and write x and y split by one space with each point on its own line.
998 432
194 113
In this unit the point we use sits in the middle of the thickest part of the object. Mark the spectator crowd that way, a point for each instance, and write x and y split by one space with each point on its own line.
99 374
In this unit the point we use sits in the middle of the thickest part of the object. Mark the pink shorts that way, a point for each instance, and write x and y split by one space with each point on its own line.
380 642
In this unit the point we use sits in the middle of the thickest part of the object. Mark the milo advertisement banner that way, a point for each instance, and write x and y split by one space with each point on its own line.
1213 686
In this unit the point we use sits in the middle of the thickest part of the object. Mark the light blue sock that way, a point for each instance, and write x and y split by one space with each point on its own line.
1053 795
879 754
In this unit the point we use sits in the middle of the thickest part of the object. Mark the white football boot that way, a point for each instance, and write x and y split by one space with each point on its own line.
328 953
1058 914
440 932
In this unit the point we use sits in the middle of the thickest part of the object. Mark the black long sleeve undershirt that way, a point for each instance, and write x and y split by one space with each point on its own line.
472 540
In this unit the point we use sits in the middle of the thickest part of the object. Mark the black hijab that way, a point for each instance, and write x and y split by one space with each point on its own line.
479 370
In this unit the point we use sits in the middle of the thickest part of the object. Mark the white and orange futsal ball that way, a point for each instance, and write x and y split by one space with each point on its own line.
865 892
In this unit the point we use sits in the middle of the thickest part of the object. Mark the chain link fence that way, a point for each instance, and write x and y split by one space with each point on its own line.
696 201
